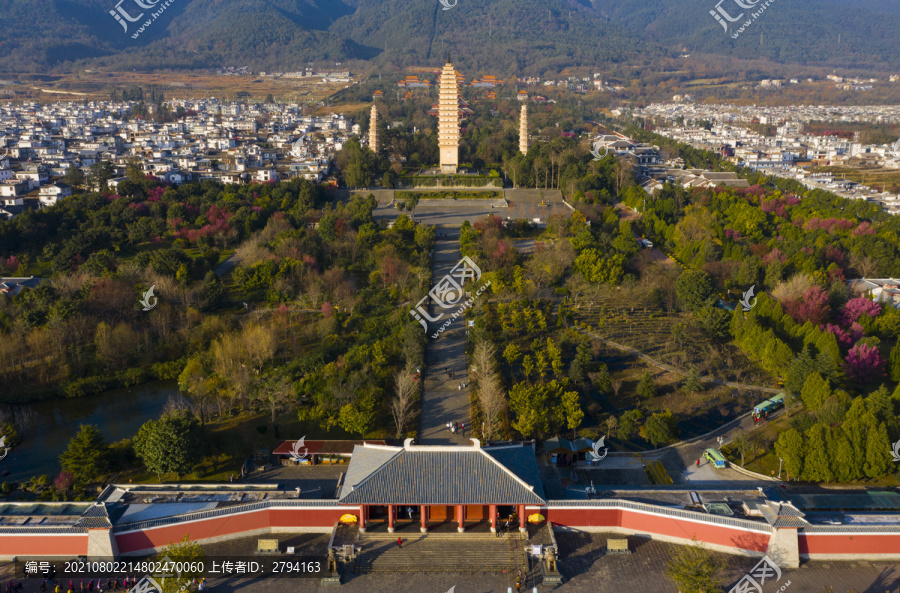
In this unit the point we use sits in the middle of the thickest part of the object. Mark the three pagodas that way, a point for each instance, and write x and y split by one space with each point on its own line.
448 121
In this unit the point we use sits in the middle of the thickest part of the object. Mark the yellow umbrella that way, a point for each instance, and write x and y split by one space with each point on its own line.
536 518
349 519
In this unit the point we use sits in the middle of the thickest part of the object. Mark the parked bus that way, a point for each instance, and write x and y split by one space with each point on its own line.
762 411
715 458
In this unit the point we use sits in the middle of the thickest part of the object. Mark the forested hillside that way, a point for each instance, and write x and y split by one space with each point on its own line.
509 35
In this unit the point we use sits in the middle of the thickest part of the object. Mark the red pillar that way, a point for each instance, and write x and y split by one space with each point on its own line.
522 518
493 511
423 511
390 518
362 518
460 518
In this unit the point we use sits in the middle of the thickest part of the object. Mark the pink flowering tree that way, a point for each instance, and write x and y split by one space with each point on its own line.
864 363
856 308
812 306
64 482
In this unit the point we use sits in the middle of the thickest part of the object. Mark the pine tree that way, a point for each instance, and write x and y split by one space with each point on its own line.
799 370
816 466
878 448
646 388
602 381
693 383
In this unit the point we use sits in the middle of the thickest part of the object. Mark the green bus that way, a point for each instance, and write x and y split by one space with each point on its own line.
715 458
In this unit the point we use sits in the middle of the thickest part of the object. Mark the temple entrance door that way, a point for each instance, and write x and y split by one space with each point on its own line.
441 513
476 513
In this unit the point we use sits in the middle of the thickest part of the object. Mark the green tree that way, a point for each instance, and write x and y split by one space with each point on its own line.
572 409
790 447
87 456
694 289
602 381
815 391
695 569
75 177
358 418
878 448
693 383
646 388
188 554
174 443
816 466
628 423
840 451
528 365
580 364
661 428
511 353
894 363
99 174
715 323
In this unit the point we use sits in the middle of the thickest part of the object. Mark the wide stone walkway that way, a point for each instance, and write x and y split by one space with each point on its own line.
443 401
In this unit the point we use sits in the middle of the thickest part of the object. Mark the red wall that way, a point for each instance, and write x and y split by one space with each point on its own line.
229 525
814 543
53 544
659 525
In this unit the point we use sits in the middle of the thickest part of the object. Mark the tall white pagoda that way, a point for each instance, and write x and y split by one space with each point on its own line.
523 130
373 130
448 119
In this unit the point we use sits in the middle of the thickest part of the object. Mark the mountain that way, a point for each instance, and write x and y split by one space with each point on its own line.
840 33
505 35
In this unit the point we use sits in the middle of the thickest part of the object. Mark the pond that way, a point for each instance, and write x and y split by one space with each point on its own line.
47 426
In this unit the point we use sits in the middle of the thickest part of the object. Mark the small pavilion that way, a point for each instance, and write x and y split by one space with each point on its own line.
467 485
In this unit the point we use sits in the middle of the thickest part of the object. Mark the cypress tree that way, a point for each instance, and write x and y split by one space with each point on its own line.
878 448
894 363
815 465
789 447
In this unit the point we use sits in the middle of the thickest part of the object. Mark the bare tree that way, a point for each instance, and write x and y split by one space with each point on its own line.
742 444
403 406
612 425
275 395
616 385
484 360
492 401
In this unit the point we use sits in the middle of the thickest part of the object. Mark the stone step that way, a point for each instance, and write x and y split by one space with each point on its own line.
430 555
381 535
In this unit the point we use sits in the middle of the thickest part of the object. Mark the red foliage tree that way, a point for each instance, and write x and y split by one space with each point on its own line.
864 363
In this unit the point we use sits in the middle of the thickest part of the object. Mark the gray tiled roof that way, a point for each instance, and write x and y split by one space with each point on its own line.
439 475
783 515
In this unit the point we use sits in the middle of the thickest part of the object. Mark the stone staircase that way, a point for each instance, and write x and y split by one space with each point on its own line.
442 553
